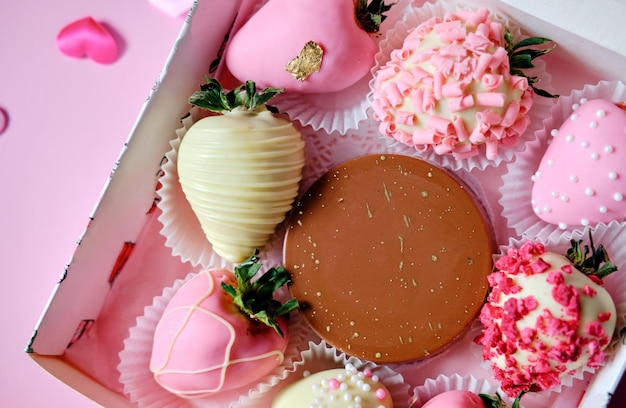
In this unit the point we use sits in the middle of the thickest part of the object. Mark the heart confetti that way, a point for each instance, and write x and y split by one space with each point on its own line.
88 38
4 120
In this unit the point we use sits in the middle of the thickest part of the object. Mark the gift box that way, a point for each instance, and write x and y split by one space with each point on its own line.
122 260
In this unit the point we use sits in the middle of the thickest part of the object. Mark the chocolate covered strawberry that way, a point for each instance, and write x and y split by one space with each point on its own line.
457 85
240 171
580 179
221 331
307 46
547 314
468 399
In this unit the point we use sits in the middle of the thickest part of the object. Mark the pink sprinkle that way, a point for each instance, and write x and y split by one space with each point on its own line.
589 291
595 329
381 394
368 373
604 317
333 384
540 266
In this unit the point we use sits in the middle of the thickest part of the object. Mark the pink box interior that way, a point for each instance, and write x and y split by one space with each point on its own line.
121 261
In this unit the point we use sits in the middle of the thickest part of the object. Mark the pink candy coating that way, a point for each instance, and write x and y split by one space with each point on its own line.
580 179
203 344
455 399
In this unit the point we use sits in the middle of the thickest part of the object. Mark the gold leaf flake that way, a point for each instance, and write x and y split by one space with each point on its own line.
308 61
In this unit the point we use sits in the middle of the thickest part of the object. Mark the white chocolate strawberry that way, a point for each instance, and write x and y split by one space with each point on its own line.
240 171
580 179
545 315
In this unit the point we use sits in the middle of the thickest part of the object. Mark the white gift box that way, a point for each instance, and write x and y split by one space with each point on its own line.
121 257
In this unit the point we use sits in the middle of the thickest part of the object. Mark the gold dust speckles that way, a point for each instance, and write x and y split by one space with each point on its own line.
424 193
387 192
369 211
470 261
434 258
407 220
328 329
378 354
309 60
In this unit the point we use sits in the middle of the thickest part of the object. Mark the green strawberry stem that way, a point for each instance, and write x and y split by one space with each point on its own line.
521 57
495 401
255 298
590 260
370 16
213 97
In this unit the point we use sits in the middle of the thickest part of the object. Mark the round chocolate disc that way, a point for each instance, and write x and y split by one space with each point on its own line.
389 257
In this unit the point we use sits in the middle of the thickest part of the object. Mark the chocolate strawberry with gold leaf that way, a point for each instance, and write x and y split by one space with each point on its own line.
307 46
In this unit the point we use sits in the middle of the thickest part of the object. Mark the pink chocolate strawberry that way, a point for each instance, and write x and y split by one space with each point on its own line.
221 331
580 179
307 46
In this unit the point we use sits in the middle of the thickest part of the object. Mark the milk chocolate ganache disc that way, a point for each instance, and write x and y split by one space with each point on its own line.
389 257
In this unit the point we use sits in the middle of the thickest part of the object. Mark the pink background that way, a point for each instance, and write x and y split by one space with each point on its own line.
69 119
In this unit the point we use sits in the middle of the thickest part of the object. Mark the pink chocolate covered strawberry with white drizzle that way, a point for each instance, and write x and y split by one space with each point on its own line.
221 331
580 180
547 315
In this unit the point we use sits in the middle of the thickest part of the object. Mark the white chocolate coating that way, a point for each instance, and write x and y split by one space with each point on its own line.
335 388
240 173
590 308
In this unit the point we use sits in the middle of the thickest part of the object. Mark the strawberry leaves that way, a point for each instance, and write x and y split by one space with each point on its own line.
255 298
590 260
496 401
522 55
370 16
213 97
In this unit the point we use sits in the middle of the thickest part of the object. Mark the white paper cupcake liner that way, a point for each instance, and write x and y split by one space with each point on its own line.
516 191
321 356
337 111
612 237
435 386
138 381
394 40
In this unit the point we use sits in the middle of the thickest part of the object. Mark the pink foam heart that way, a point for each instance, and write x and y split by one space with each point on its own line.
174 8
4 120
88 38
